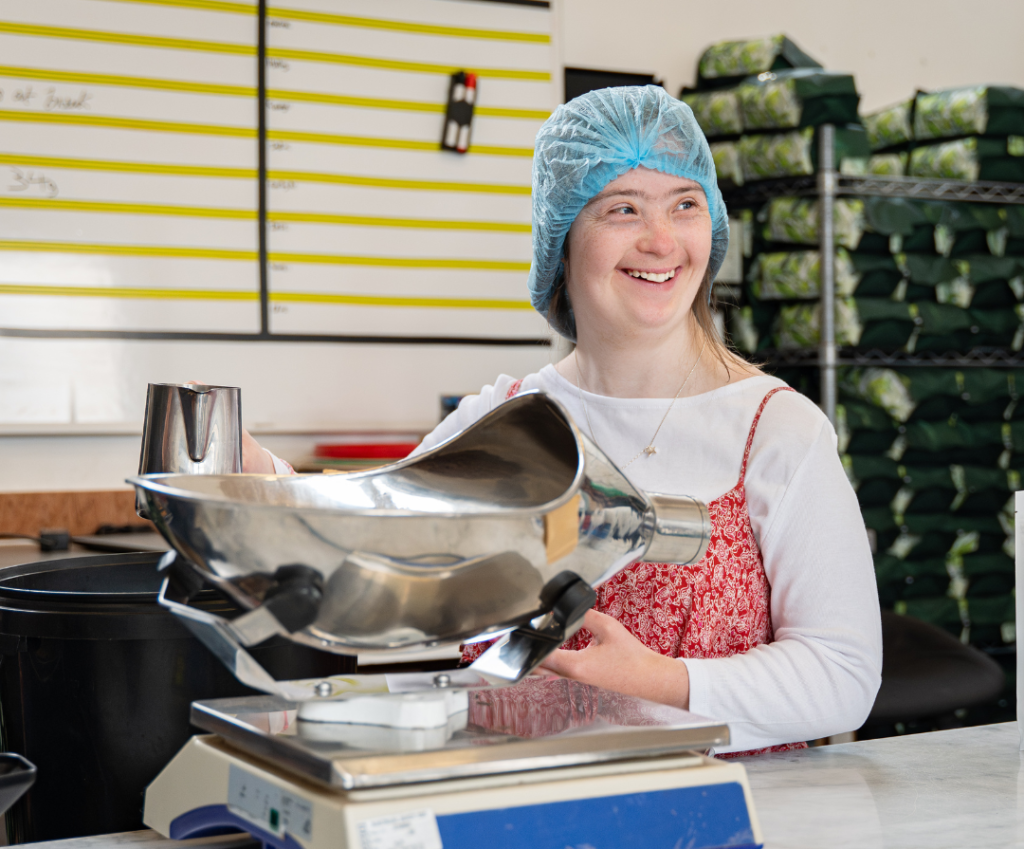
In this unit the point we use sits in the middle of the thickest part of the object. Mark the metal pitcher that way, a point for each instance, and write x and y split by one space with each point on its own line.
191 429
502 530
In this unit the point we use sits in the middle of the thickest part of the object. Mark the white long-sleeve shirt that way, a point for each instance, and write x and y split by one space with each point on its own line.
820 675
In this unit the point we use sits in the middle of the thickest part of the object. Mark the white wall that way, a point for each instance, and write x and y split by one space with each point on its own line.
892 46
93 394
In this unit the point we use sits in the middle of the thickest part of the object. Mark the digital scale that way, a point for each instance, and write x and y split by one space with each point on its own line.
439 762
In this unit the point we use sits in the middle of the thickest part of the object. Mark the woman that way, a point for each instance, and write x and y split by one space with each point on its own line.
776 631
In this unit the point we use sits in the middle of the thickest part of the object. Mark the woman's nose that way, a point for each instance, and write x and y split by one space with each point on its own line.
658 238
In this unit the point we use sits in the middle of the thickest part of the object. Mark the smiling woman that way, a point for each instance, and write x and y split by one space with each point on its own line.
777 629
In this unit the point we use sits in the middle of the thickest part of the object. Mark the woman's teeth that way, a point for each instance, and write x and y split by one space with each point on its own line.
654 278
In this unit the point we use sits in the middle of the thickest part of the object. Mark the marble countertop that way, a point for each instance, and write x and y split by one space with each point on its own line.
944 790
961 788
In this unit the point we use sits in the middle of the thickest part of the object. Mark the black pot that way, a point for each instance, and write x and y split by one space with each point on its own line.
96 681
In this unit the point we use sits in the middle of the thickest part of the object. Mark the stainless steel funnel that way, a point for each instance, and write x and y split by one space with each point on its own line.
505 527
192 429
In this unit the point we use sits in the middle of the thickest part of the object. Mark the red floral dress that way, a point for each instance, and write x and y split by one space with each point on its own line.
715 608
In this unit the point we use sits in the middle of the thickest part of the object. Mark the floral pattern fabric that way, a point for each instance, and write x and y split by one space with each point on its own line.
718 607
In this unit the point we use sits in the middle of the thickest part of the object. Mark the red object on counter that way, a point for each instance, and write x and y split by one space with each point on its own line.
367 451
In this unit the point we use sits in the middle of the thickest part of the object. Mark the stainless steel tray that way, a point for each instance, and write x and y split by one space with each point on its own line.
540 723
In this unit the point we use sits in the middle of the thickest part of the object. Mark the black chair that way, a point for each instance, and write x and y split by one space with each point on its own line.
927 672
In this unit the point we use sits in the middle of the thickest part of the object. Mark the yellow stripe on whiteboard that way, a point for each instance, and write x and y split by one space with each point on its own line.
416 223
403 26
110 122
157 84
278 297
125 81
117 166
229 254
394 183
400 262
379 301
109 37
201 5
351 20
111 292
400 105
62 205
392 144
126 250
399 65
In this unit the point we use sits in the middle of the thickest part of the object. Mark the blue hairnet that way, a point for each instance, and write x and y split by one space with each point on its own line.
597 137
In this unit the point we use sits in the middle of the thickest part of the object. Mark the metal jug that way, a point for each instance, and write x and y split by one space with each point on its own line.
505 529
191 429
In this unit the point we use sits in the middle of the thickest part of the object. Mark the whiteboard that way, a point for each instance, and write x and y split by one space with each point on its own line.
130 168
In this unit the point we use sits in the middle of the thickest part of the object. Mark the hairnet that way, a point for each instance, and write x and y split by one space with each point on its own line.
597 137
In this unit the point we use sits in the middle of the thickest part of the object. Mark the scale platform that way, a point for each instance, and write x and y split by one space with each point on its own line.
397 762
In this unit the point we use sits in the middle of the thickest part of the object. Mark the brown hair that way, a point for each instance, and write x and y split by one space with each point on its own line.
563 320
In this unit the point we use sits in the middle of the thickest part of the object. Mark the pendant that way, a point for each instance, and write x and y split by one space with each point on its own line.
649 450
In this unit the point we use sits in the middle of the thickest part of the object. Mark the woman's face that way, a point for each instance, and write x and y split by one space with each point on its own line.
636 255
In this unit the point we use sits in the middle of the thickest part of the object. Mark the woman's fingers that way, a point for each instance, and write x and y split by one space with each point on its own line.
255 460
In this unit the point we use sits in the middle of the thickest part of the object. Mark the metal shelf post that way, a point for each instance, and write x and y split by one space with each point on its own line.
827 185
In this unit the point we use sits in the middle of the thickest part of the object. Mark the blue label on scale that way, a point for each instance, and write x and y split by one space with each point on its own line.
706 817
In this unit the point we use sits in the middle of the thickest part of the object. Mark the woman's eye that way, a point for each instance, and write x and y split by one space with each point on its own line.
625 209
686 204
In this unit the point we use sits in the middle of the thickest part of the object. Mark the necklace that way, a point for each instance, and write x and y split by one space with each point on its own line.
650 450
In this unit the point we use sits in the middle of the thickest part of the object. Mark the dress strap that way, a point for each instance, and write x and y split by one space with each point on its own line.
513 390
753 427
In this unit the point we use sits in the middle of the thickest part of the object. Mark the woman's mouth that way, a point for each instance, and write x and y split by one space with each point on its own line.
652 276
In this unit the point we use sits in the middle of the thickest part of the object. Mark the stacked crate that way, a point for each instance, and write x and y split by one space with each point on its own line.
973 133
935 455
760 104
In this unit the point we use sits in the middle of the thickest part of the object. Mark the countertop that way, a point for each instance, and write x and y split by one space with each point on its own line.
962 788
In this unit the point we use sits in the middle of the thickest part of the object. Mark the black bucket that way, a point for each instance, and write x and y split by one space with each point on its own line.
96 680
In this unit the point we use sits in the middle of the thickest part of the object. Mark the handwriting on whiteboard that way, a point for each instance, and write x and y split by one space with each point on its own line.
31 183
50 100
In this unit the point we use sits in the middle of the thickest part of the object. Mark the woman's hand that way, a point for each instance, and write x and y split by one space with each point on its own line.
255 460
616 660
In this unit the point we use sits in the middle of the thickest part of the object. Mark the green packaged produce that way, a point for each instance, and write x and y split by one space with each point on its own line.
883 388
940 611
717 112
887 164
978 565
908 579
804 97
863 429
795 153
866 467
994 610
876 492
916 502
926 269
998 328
728 166
743 331
891 126
729 59
868 322
795 220
976 110
975 158
893 216
796 275
939 437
